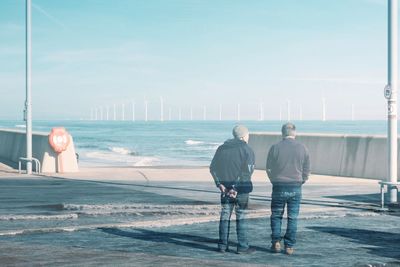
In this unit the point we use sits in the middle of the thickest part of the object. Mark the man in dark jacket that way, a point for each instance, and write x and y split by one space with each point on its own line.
288 168
231 168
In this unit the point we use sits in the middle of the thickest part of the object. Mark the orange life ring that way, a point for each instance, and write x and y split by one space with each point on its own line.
59 139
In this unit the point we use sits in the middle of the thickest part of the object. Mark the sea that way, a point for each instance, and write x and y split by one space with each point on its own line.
172 143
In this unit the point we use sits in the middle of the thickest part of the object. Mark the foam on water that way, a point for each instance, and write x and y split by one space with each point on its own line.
193 142
123 158
38 217
122 151
142 209
339 214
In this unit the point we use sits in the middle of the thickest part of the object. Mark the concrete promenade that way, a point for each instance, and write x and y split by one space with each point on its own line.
175 221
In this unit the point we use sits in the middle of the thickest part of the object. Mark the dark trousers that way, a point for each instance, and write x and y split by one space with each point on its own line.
227 205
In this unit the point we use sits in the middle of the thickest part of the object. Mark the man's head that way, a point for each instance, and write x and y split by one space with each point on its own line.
288 130
240 132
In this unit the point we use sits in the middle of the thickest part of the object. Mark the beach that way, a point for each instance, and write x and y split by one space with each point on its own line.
168 216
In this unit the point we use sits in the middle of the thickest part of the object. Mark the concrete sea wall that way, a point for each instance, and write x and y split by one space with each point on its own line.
13 146
360 156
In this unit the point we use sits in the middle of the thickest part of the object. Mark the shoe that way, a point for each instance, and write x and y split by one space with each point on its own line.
289 251
246 251
276 247
222 250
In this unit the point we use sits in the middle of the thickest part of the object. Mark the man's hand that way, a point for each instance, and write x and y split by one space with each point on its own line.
222 188
232 193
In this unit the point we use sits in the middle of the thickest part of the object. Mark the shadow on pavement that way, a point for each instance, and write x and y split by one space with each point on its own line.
371 199
198 242
365 198
187 240
383 244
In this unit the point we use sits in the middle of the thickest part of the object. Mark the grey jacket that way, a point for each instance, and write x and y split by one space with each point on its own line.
288 163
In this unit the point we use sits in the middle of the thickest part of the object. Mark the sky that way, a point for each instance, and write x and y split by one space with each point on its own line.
89 54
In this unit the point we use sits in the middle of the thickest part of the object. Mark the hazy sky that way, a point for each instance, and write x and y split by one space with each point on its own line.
92 53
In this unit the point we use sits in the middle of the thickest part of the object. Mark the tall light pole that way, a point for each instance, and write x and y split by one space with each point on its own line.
391 94
28 78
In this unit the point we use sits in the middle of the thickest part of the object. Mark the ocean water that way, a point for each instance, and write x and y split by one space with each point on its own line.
183 143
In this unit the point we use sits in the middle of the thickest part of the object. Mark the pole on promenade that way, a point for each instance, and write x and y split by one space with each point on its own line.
28 73
391 94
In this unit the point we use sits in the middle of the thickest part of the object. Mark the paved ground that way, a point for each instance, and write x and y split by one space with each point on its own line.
337 226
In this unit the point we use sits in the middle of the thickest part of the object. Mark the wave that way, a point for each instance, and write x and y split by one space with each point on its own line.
20 126
201 145
159 223
146 161
193 142
106 157
38 217
142 209
123 151
339 214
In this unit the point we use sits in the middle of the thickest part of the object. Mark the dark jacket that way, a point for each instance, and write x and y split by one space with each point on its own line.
288 163
233 165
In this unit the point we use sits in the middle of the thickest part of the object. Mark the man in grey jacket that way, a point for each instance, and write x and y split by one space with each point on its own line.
288 168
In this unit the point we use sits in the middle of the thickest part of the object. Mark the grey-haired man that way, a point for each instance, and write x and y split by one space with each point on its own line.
288 168
231 168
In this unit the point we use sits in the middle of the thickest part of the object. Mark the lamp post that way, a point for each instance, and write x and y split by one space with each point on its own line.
28 73
391 94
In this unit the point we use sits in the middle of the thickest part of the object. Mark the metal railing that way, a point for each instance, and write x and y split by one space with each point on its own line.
38 167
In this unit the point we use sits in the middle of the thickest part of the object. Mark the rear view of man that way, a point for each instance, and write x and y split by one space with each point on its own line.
288 168
231 168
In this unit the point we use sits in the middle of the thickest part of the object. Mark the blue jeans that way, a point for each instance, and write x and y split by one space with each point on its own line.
227 204
282 196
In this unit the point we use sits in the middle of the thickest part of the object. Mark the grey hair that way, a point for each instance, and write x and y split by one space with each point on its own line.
288 129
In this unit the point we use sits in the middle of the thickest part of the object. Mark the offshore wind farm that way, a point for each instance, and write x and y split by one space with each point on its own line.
163 111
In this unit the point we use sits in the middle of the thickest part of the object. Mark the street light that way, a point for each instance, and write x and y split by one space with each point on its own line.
28 72
391 94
